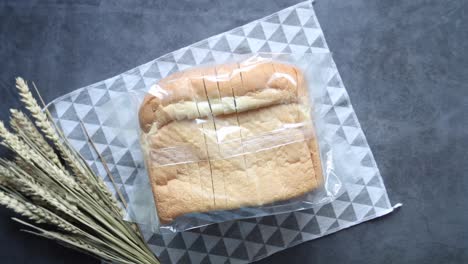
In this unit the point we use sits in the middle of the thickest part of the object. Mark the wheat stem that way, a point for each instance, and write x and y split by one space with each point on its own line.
47 127
78 165
74 241
60 189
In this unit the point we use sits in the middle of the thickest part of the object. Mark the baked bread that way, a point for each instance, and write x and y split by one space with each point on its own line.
229 136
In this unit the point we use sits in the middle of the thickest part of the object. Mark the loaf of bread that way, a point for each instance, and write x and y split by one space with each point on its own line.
229 136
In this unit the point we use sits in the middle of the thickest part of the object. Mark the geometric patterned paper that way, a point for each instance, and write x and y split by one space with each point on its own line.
293 30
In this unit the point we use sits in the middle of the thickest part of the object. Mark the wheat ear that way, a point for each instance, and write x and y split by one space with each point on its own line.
22 124
77 165
37 214
46 127
13 142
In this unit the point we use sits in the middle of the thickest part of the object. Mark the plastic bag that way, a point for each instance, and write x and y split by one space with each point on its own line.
109 108
235 140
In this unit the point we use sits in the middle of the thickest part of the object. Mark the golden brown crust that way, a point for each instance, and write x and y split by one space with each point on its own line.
172 98
219 109
272 174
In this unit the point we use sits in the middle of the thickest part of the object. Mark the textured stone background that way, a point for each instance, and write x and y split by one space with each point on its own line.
404 63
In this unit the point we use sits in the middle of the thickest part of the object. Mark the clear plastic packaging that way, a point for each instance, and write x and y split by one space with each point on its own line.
234 140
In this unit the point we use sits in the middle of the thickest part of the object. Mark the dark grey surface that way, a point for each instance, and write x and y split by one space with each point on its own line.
404 63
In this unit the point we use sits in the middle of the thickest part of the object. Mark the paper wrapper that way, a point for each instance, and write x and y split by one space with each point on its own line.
293 30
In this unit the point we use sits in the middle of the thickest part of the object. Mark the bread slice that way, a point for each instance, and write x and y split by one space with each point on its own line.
283 170
198 88
211 135
178 162
293 78
265 161
214 145
312 143
239 186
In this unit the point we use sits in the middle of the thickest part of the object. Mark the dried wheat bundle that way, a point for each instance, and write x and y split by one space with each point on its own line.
50 184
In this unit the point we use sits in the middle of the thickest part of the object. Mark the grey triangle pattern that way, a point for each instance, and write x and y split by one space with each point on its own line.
103 100
77 133
318 43
267 231
261 253
279 36
327 210
310 23
359 141
168 57
268 220
238 32
86 153
276 239
70 114
83 98
265 48
363 197
118 85
348 214
99 137
367 161
240 252
334 226
300 39
290 223
187 58
196 257
255 235
257 32
91 118
297 240
312 227
231 244
293 30
156 240
287 49
234 232
243 48
184 259
375 182
335 81
210 242
382 202
273 19
221 45
164 256
292 19
153 71
219 249
198 245
177 242
344 197
208 58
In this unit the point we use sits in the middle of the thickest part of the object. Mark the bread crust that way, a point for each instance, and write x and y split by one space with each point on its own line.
171 100
214 119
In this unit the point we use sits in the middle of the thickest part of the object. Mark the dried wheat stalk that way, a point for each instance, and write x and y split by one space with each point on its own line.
51 184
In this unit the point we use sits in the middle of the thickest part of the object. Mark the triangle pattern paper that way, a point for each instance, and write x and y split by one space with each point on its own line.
295 29
292 19
257 32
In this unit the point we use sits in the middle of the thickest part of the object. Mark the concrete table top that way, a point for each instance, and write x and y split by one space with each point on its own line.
404 63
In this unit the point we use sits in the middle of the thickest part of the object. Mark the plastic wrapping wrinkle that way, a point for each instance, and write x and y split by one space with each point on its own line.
232 147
